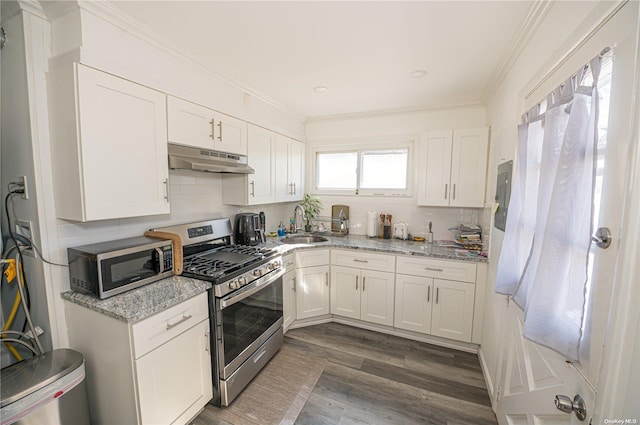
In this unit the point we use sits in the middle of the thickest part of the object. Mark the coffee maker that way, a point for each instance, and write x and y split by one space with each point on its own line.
249 229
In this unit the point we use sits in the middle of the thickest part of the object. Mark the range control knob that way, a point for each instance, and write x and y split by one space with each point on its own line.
272 266
234 284
257 272
242 280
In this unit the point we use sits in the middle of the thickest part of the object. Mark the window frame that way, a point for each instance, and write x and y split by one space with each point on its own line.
391 144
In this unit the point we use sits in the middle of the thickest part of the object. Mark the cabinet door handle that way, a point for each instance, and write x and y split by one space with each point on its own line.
446 187
357 282
294 284
253 188
454 191
437 294
326 278
429 294
431 269
166 189
207 346
220 132
294 188
360 261
363 280
184 319
213 129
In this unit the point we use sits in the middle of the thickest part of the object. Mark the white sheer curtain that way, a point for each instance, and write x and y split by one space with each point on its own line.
544 259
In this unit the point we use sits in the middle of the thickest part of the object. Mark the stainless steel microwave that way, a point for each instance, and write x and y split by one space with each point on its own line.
110 268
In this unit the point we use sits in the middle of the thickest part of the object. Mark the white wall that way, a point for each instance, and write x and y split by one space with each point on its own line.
400 126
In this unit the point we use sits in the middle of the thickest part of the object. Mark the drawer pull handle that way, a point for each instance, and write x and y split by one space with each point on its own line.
431 269
184 319
360 261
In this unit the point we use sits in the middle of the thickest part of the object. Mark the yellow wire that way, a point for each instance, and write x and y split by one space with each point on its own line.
7 325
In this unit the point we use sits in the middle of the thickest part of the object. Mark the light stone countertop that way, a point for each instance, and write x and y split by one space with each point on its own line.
138 304
389 246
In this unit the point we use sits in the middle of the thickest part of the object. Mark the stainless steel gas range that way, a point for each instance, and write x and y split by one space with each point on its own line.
245 302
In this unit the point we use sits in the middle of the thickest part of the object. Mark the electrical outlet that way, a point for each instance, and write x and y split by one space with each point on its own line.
23 180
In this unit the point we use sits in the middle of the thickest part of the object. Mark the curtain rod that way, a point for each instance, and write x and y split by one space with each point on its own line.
582 42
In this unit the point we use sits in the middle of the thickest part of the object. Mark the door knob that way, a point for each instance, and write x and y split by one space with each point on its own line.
566 405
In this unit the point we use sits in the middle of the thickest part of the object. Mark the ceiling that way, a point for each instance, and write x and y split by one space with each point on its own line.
362 52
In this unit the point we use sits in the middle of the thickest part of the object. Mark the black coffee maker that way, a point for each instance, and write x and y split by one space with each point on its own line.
249 229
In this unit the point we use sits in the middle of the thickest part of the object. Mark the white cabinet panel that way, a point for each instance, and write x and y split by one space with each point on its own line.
452 315
174 380
442 269
377 297
257 188
289 157
413 303
194 125
363 260
312 257
345 291
289 297
312 291
455 168
109 146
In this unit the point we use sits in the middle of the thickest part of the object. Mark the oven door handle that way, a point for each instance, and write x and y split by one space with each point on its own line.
251 289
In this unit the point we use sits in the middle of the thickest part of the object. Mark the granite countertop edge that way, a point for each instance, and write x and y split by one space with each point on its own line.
389 246
141 303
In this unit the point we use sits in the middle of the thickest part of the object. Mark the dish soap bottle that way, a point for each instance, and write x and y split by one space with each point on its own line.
281 230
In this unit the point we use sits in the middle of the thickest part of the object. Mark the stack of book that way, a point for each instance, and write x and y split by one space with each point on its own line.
469 235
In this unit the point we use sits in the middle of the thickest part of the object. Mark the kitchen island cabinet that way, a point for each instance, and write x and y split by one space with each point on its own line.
156 370
109 146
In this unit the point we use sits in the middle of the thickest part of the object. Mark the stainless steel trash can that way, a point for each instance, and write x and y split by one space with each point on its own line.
47 389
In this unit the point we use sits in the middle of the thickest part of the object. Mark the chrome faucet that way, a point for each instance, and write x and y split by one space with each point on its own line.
302 216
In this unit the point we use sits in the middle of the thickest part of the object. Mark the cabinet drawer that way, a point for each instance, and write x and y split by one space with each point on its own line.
160 328
363 260
312 257
289 261
439 269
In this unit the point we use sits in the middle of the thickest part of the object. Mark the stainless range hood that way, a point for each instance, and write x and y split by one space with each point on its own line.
197 159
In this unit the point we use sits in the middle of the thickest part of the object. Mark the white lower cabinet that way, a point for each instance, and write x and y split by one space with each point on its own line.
434 306
289 291
312 283
156 371
362 294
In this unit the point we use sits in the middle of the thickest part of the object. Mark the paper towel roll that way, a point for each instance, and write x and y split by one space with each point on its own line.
372 225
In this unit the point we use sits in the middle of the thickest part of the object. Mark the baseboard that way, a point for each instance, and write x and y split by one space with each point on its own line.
487 378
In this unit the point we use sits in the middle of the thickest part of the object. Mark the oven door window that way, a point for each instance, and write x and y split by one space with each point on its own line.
245 321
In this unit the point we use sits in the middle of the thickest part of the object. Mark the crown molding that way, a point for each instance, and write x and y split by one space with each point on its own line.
532 22
109 12
399 111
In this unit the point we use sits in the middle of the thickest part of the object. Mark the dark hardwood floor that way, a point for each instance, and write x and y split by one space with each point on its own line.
350 376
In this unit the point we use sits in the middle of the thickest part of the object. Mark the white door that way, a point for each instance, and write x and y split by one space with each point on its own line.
288 298
531 375
434 172
190 124
312 291
377 297
230 134
413 303
469 167
296 169
452 315
283 185
345 291
260 156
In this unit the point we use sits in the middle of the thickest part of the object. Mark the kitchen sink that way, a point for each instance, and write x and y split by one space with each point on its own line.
303 239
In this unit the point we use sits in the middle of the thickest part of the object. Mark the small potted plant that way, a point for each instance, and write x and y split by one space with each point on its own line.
311 207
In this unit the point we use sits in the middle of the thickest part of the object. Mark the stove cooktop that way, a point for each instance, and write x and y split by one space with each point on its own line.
224 262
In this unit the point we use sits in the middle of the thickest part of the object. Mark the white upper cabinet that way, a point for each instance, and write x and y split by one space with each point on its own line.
257 188
109 146
453 168
194 125
289 157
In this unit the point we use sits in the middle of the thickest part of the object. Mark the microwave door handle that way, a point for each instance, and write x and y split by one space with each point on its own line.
160 267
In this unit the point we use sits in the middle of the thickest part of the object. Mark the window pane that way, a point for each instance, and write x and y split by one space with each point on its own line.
384 169
337 170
